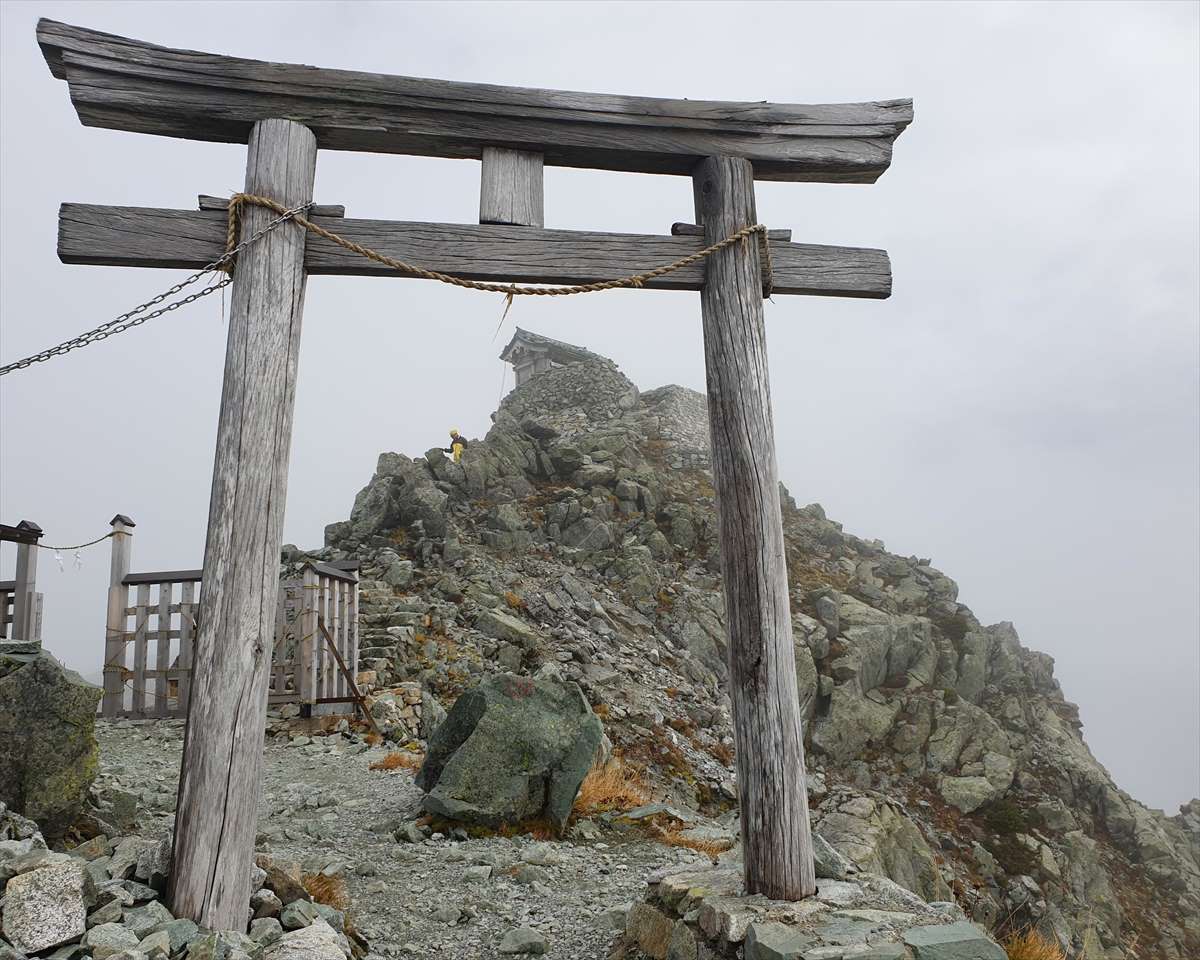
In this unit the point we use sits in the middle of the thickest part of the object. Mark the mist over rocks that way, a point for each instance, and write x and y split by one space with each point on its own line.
944 753
555 599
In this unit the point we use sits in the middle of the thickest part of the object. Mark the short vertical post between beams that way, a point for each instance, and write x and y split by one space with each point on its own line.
510 187
219 781
776 838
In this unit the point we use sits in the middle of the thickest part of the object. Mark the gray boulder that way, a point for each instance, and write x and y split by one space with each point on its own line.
47 907
953 941
967 793
319 941
109 939
524 940
509 750
48 751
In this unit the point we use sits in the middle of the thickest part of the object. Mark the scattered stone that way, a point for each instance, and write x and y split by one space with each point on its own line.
181 932
265 930
47 907
284 878
299 914
93 849
319 941
649 929
447 913
156 946
953 941
265 903
141 920
220 945
109 939
966 793
768 940
524 940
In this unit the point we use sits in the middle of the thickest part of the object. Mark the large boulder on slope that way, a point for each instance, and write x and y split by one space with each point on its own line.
48 751
509 750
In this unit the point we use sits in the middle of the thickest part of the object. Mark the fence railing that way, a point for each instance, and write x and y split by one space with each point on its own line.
20 603
149 642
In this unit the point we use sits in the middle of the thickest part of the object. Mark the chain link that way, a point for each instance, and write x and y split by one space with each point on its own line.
137 316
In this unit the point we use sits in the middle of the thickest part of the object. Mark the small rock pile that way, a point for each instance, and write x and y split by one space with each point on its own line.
103 899
703 914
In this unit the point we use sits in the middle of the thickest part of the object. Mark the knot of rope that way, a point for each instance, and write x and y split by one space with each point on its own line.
510 290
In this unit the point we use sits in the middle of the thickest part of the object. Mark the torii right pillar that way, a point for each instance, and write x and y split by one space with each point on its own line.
776 837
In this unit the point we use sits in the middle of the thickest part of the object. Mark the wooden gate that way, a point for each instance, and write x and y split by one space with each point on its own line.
153 621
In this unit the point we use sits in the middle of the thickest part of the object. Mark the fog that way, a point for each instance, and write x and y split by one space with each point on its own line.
1024 410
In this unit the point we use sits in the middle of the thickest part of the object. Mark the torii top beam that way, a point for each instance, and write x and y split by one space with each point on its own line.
125 84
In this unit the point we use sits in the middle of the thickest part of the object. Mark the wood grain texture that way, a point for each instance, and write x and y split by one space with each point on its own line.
510 188
189 239
162 652
187 611
141 628
25 591
113 702
206 202
697 230
776 839
221 773
125 84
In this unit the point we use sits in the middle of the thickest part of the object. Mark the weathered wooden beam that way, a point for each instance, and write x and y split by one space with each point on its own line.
221 774
510 188
188 239
125 84
205 202
776 838
697 230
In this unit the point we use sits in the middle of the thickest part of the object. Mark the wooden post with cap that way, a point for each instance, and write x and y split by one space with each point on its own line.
114 623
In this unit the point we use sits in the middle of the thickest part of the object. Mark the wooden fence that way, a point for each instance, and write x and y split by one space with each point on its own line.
153 619
20 603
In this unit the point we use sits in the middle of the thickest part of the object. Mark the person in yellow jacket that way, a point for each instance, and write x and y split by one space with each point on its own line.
457 444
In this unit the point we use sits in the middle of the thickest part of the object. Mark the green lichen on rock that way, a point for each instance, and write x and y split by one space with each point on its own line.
48 751
509 750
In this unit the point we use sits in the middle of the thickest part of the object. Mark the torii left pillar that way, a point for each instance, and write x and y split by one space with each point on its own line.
219 782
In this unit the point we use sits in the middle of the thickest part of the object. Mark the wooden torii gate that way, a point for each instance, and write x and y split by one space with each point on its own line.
285 113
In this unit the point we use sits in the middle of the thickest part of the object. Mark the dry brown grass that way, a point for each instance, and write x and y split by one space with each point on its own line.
538 828
513 601
672 836
601 710
617 785
398 760
330 891
722 752
1029 944
373 739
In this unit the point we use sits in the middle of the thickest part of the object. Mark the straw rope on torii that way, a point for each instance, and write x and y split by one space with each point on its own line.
723 147
636 281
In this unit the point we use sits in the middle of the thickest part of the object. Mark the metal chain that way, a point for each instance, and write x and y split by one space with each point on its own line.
137 315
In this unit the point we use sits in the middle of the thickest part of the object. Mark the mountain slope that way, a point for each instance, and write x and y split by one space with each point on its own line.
579 539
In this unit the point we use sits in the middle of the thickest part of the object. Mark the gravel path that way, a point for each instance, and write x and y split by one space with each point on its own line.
324 808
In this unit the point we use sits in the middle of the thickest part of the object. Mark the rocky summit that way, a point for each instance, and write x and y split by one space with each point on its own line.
542 642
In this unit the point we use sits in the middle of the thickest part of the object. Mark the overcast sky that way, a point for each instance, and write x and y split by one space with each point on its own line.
1023 410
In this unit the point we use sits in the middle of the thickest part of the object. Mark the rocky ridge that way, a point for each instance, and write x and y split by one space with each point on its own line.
577 540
